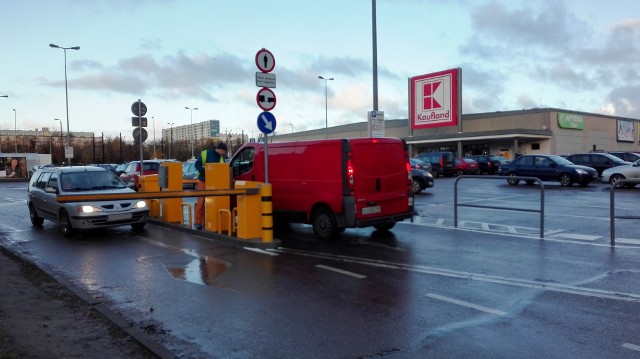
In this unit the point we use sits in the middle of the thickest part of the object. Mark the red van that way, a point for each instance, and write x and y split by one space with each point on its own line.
333 184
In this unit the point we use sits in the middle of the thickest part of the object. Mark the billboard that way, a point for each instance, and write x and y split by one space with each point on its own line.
214 128
433 99
625 132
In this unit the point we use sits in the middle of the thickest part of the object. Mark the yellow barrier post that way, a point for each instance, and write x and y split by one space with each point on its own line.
217 176
172 211
149 183
267 213
249 212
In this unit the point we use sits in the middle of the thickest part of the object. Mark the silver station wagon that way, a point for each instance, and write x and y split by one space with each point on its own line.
49 182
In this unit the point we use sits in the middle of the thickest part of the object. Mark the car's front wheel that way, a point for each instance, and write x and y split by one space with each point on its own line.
33 215
416 185
512 181
65 224
566 180
614 179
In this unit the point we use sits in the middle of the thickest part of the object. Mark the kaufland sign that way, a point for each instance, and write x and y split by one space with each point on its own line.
434 99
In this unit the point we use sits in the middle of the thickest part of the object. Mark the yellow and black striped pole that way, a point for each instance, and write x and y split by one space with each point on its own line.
267 213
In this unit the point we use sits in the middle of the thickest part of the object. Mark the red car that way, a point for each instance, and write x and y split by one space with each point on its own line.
466 166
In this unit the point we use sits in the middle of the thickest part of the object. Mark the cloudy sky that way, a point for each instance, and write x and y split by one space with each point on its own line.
574 54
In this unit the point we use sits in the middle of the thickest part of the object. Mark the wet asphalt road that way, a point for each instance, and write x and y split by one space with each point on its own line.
489 289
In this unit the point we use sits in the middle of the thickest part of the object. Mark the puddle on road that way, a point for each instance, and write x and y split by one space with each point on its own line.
203 270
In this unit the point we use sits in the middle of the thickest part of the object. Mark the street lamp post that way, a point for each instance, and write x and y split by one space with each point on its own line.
170 138
5 96
15 128
326 116
191 128
153 122
66 90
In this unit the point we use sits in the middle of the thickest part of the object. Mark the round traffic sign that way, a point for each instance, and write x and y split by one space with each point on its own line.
265 60
139 108
266 122
136 134
266 99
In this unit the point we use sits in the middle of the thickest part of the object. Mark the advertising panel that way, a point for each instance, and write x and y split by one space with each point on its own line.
214 128
433 99
570 121
625 132
13 167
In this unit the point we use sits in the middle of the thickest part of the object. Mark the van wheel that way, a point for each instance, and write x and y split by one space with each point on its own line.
324 224
384 226
65 224
435 173
33 215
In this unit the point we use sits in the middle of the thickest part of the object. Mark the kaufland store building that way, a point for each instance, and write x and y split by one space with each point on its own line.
435 124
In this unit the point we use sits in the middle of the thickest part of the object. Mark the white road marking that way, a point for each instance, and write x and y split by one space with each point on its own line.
628 240
515 282
467 304
582 237
631 346
355 275
261 251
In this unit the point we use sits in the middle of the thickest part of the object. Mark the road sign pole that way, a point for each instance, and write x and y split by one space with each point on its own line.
140 137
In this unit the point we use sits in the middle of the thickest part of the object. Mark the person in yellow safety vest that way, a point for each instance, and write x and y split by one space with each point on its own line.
216 155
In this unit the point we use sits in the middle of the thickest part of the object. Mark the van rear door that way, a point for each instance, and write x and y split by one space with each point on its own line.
381 180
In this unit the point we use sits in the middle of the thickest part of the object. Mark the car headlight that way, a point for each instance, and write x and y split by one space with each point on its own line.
141 204
581 171
88 209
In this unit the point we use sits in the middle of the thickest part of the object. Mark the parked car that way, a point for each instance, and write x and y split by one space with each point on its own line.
421 165
50 182
615 174
486 163
132 172
466 166
420 180
548 168
120 168
105 166
442 162
626 156
598 160
189 172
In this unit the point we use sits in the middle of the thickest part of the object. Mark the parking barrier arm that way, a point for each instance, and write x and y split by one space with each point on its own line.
153 195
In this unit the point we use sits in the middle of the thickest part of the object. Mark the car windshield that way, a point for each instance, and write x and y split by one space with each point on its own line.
560 160
90 181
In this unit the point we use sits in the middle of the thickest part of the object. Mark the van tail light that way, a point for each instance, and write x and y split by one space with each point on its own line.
441 162
350 172
409 179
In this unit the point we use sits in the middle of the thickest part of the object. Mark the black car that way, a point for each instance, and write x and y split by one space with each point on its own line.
598 160
420 180
626 156
548 168
486 163
442 162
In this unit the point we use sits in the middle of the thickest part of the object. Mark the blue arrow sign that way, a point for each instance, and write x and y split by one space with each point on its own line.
266 122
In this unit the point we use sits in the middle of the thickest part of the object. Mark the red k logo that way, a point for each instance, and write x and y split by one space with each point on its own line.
430 95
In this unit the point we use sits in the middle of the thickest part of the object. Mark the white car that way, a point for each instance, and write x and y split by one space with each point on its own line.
615 174
49 182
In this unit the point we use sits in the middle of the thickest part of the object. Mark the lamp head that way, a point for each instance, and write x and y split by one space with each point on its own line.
54 46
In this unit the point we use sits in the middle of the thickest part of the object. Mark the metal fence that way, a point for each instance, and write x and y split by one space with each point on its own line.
612 208
534 179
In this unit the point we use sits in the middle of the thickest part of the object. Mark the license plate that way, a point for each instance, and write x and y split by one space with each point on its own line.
371 210
119 217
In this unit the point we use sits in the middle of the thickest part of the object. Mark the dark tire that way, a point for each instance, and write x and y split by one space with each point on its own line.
529 182
35 219
459 172
435 173
138 226
512 181
614 179
566 180
324 224
384 226
65 224
416 186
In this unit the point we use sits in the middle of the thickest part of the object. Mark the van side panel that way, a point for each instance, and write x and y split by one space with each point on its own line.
380 177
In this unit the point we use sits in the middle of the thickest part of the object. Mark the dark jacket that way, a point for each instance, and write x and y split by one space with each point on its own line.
210 156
